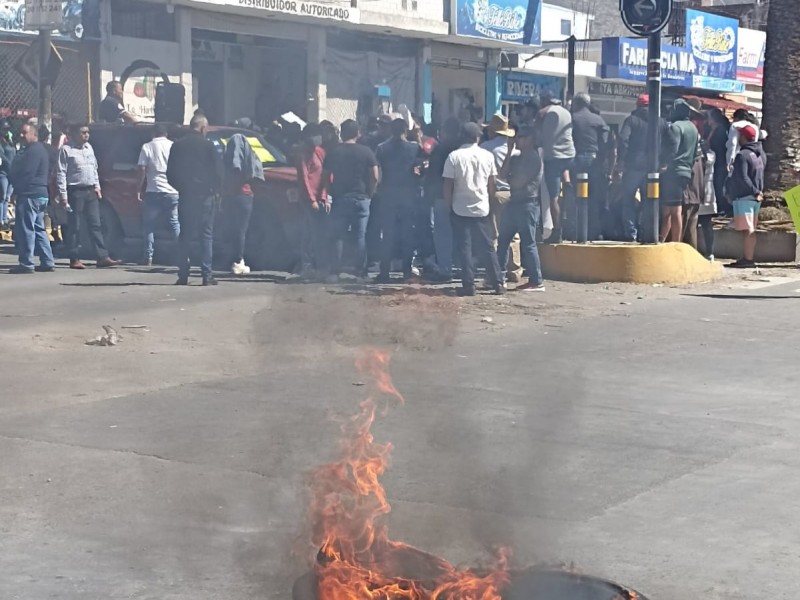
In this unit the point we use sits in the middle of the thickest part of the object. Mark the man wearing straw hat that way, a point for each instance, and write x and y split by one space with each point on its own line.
499 132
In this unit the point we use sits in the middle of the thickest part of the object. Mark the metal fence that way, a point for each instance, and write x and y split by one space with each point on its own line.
19 98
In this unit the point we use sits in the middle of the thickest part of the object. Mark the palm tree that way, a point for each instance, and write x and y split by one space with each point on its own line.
782 95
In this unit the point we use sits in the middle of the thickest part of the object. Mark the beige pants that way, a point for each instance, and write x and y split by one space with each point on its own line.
514 266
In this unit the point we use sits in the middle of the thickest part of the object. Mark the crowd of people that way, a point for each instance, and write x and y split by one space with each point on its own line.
404 194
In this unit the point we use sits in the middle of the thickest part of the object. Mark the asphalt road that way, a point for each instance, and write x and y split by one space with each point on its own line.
645 435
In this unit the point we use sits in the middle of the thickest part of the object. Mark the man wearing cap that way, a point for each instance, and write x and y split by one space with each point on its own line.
682 150
553 133
746 188
632 153
590 134
469 182
499 133
523 171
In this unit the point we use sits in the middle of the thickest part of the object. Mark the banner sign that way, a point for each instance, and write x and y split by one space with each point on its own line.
297 8
65 18
43 14
626 58
518 87
712 40
615 90
750 63
512 21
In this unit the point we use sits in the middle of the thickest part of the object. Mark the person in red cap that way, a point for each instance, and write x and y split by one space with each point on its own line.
746 188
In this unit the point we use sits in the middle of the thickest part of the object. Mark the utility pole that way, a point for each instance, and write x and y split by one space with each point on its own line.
571 58
45 84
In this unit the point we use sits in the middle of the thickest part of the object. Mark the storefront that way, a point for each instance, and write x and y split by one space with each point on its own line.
615 101
458 75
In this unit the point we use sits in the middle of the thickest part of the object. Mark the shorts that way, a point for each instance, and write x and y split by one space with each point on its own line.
745 214
673 188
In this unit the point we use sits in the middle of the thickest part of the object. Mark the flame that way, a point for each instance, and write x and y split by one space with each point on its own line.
357 560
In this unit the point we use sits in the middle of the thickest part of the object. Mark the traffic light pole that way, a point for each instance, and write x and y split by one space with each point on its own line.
653 138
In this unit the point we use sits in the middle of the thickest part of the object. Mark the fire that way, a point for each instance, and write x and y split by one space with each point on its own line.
357 560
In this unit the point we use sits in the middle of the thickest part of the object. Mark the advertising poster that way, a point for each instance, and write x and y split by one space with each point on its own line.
750 63
12 19
512 21
713 41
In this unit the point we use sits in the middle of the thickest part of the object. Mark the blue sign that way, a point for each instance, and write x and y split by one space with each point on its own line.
713 41
512 21
518 87
626 58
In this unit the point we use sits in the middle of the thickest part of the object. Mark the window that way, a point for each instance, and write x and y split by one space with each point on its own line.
566 27
145 20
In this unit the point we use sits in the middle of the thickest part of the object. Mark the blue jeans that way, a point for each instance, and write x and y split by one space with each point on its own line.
30 235
157 205
350 210
633 180
5 194
553 175
196 215
521 218
443 237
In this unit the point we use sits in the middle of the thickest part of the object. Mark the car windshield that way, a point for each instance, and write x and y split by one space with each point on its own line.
269 155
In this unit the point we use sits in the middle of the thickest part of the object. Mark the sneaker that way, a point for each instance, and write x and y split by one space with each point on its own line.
45 268
465 292
499 289
107 262
743 263
239 268
182 280
210 280
20 270
76 264
531 287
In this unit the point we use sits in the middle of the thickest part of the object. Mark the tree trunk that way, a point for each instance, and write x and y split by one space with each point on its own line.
782 95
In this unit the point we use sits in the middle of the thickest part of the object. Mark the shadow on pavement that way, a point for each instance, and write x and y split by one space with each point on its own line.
122 284
742 297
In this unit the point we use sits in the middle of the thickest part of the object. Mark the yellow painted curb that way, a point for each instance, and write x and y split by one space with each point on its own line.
627 263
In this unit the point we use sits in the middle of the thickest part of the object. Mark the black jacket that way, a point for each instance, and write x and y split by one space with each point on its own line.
194 167
632 143
589 132
747 178
30 171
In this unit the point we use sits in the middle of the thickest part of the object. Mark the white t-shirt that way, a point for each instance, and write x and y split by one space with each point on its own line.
470 168
154 157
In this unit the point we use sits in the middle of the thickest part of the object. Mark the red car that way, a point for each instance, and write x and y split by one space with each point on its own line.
273 240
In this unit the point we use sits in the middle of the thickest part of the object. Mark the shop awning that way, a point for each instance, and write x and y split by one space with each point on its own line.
721 103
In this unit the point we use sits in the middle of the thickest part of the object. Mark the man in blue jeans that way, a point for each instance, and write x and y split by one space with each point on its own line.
160 198
522 213
399 192
353 170
29 175
195 170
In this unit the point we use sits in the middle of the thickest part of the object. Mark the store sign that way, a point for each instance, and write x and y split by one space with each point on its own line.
712 40
297 8
513 21
615 90
626 58
518 87
750 63
65 18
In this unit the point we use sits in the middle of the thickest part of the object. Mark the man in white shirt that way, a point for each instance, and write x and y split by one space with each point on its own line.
160 198
469 184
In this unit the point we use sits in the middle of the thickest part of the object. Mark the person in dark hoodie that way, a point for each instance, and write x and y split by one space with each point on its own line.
746 188
194 169
29 175
632 157
682 149
242 169
7 154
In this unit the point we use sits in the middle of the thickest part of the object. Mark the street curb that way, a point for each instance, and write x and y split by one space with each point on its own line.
627 263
